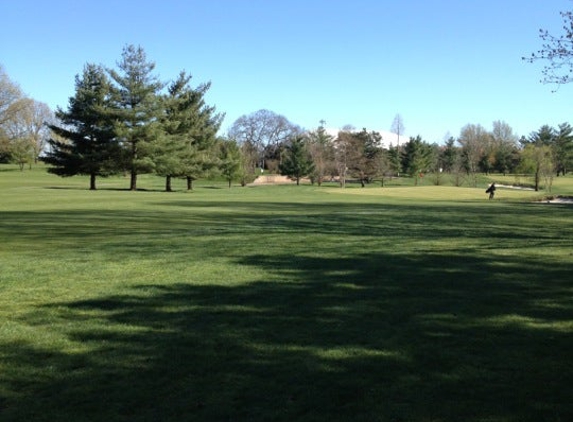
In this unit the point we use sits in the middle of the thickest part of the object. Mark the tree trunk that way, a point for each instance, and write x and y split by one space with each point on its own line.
189 183
92 181
230 181
133 176
168 184
133 180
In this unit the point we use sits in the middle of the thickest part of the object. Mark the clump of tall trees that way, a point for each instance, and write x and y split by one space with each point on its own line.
23 134
127 120
363 157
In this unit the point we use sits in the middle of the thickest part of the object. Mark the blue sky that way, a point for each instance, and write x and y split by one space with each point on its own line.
440 64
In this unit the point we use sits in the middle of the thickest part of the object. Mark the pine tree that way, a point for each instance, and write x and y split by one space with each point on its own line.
320 145
417 157
189 128
563 148
84 143
230 161
297 163
365 150
137 109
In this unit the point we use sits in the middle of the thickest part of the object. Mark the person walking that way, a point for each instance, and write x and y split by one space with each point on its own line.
491 190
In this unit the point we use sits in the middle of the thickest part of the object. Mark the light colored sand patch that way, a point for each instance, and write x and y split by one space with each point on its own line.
437 193
567 200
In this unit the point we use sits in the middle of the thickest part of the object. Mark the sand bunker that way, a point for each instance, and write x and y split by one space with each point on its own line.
567 200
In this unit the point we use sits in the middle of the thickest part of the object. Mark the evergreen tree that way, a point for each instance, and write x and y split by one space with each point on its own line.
395 159
137 110
449 155
188 145
362 163
297 163
170 148
230 161
560 141
563 148
382 165
84 143
200 156
544 136
417 157
320 145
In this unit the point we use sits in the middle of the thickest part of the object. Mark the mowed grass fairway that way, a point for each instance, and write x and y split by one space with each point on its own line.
282 303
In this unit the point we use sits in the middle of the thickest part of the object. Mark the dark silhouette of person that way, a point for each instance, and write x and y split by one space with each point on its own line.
491 190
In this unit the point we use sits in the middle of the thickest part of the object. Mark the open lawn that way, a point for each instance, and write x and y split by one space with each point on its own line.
283 303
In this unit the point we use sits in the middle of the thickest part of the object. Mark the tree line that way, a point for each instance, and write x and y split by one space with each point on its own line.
269 141
128 121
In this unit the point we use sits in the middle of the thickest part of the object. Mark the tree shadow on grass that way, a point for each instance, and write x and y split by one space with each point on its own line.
375 337
201 219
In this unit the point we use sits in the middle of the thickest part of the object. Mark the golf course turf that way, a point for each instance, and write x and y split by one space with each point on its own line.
283 303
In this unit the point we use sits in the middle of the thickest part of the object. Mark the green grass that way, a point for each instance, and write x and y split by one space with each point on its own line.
282 303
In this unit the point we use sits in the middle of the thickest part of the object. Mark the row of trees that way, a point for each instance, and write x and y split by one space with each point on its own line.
23 133
361 156
127 120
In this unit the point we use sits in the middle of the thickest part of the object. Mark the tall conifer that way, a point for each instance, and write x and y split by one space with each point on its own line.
84 142
190 128
137 108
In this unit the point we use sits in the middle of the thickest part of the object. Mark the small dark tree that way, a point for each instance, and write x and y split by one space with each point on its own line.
417 157
297 163
230 161
365 147
563 148
320 145
382 166
395 159
449 155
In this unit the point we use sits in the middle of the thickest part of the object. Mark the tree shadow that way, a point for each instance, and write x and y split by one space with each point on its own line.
374 337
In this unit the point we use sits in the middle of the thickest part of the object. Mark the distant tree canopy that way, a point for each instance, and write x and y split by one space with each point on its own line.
124 120
264 132
23 134
320 147
298 161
